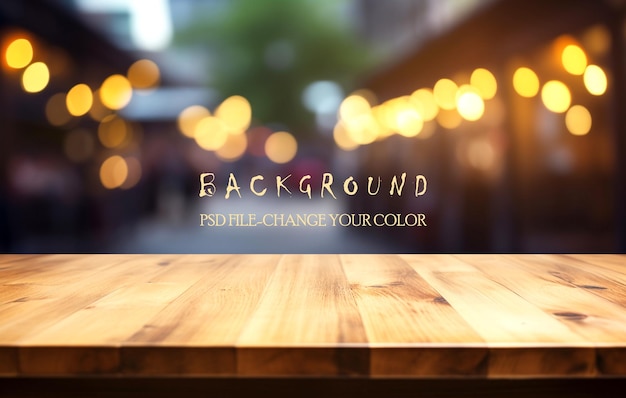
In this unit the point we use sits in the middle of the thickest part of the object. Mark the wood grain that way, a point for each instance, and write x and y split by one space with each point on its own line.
211 314
489 316
404 316
307 302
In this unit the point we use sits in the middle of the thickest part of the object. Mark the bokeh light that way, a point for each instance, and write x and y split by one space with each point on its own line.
449 119
556 96
353 106
234 147
363 129
115 92
134 171
281 147
410 123
574 59
189 118
144 74
19 53
469 103
113 131
342 138
56 110
481 154
98 111
595 80
578 120
113 172
210 133
236 114
36 77
424 100
387 116
485 82
384 118
79 100
525 82
445 93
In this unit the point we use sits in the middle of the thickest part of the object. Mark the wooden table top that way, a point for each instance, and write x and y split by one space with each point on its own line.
313 315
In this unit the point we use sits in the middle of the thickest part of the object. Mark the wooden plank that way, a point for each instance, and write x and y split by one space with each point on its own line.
499 316
403 317
35 277
306 312
505 320
68 360
9 361
26 318
569 272
87 339
582 311
612 267
590 303
542 361
54 269
198 330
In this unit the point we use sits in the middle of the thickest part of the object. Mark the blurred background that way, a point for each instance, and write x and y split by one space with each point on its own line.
513 110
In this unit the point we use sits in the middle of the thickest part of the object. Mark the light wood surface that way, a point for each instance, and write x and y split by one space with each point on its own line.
493 316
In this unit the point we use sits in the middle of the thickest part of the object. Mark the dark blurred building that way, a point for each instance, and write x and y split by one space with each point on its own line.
522 178
50 199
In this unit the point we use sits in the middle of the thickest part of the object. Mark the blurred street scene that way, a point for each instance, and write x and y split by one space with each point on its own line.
511 110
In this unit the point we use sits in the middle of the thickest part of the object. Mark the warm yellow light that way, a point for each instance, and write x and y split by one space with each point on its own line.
556 96
56 111
362 129
235 112
380 114
578 120
210 133
352 107
36 77
526 82
116 92
485 82
574 59
449 119
558 46
113 172
595 80
481 154
234 147
79 145
342 138
134 172
19 53
387 115
113 131
424 100
281 147
79 100
469 103
188 119
144 74
445 93
410 123
98 111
